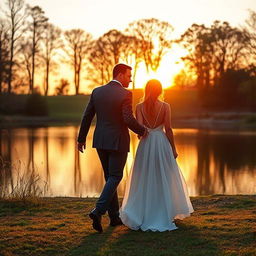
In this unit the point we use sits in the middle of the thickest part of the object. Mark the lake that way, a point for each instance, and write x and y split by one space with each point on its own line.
212 161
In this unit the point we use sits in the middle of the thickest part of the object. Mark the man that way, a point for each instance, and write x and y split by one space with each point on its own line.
112 104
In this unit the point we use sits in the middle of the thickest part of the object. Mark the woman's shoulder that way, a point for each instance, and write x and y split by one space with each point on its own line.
139 105
165 104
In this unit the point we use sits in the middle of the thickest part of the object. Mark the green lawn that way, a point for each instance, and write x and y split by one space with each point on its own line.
67 107
220 225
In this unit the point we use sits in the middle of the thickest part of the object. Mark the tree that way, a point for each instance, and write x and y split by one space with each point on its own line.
133 54
155 38
78 43
37 26
16 16
214 50
63 87
228 46
26 61
105 52
196 41
250 29
4 53
51 42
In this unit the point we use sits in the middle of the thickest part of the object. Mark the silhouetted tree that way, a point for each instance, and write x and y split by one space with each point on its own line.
133 54
250 29
26 61
37 27
156 38
105 52
214 50
51 42
4 53
63 87
78 43
196 41
16 16
228 45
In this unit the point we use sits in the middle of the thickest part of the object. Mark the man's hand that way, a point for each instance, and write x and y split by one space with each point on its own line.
145 133
175 154
81 146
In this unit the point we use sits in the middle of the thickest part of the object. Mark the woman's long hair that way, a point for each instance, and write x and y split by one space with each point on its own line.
152 91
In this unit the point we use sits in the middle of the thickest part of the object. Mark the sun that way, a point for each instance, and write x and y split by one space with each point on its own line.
170 66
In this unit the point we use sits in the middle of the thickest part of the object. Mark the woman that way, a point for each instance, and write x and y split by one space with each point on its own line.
156 192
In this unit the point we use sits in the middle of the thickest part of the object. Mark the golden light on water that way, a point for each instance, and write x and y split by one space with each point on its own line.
51 153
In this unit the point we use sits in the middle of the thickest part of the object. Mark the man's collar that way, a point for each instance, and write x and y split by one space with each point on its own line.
117 82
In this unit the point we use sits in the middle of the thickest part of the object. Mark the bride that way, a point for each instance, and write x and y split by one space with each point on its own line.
156 192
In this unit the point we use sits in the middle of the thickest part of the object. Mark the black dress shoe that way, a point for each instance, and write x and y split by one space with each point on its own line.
116 222
96 221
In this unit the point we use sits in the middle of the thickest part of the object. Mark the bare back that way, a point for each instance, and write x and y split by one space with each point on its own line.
160 115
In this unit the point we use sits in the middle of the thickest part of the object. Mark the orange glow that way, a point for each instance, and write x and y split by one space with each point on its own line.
170 66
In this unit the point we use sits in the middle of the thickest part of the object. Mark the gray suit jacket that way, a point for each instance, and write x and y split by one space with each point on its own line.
112 105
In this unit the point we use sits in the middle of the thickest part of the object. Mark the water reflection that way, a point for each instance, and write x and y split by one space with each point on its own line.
212 162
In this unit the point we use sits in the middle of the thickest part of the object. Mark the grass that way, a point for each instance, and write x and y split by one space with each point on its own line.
25 187
220 225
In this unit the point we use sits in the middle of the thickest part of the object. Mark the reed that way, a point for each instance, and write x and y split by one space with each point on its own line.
19 183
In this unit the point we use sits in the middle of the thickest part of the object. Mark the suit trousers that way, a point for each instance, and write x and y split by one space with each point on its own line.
113 163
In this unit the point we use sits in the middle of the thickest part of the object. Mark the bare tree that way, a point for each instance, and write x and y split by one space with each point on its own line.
250 29
228 47
214 50
51 42
63 87
26 61
156 37
196 41
78 43
133 55
100 63
105 52
37 27
4 53
16 17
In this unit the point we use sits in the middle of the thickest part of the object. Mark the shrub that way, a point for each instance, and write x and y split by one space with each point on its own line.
36 105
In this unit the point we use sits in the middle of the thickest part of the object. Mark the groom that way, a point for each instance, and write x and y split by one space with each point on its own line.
112 104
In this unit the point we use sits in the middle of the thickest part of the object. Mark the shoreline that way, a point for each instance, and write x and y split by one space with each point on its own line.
209 122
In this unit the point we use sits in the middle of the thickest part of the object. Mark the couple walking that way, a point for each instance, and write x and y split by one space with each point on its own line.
156 191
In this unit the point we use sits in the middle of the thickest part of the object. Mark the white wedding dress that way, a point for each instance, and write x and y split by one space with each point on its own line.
156 192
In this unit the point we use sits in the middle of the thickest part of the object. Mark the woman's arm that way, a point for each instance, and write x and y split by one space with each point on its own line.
138 114
168 129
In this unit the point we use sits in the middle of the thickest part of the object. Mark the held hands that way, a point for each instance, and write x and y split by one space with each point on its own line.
144 135
81 146
175 154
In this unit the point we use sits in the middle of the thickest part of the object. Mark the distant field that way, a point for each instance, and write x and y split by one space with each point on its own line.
67 107
185 106
183 103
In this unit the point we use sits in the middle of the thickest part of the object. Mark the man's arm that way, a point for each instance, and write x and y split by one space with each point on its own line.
128 117
85 123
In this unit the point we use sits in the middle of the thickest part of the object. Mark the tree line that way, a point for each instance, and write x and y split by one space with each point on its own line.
220 60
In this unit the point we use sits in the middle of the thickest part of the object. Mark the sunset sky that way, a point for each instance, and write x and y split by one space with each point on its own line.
99 16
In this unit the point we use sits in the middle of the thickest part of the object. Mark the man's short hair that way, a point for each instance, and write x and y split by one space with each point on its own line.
120 68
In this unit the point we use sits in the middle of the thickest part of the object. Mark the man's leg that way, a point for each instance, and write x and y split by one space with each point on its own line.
108 199
113 210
